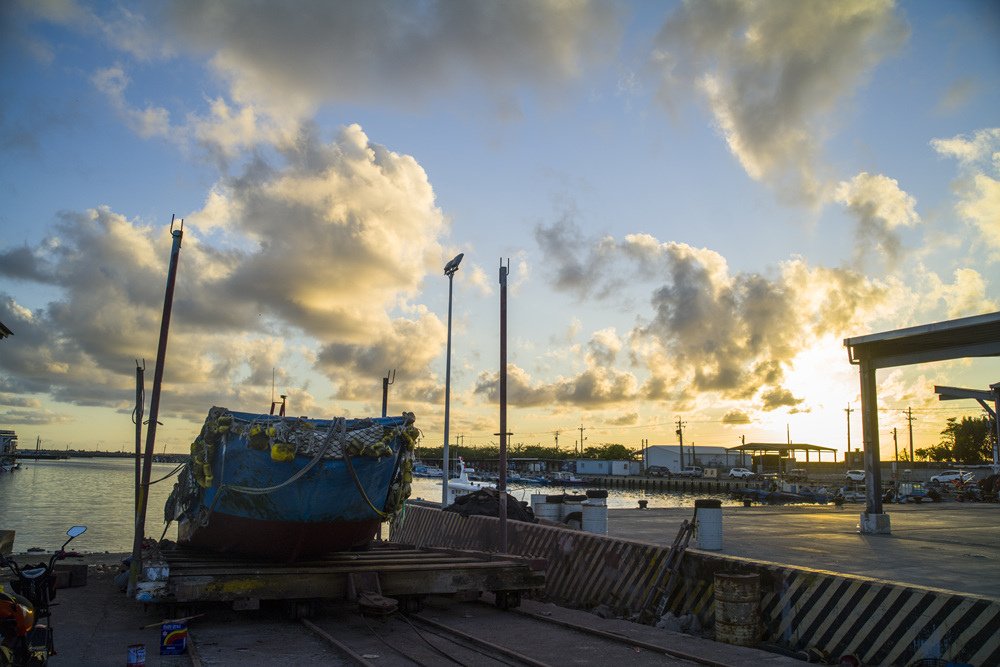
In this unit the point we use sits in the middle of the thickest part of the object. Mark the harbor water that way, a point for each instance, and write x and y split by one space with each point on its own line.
44 498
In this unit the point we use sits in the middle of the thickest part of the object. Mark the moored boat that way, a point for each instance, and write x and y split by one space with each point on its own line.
289 488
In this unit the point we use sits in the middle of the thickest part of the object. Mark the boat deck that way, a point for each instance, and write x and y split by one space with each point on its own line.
391 569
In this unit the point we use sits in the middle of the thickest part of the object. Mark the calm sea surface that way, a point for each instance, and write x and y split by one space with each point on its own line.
44 498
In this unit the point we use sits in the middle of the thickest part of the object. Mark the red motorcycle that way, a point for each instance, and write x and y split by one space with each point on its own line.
25 633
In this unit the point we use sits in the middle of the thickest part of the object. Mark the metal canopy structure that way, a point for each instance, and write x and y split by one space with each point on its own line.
977 336
783 449
981 396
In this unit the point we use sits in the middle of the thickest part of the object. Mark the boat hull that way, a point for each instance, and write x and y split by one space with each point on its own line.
277 540
289 509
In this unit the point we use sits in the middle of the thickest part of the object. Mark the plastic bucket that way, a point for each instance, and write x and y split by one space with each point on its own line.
737 608
595 516
571 504
709 523
550 508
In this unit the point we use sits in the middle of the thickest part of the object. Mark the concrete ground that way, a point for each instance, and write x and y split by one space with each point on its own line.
949 545
95 624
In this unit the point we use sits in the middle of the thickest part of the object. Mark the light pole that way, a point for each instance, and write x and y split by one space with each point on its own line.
449 270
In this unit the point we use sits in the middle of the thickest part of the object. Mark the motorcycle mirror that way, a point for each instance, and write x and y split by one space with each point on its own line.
76 531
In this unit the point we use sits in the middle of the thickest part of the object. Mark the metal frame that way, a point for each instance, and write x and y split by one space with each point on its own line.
977 336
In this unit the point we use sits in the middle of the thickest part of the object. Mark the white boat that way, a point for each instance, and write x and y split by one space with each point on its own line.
462 485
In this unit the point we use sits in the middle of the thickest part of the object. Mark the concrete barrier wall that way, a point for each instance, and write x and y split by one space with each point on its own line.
882 623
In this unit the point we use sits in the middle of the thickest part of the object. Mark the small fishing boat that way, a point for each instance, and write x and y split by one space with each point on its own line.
291 487
462 484
563 478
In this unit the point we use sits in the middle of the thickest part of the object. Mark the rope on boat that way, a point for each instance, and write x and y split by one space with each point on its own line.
361 489
169 474
338 424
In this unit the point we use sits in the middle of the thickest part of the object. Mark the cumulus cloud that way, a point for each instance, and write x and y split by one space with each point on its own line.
964 297
709 330
330 244
773 73
599 384
881 208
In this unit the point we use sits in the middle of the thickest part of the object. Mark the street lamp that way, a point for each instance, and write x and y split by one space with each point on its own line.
449 270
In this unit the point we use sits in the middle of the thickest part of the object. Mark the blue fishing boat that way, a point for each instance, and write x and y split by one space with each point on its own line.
291 487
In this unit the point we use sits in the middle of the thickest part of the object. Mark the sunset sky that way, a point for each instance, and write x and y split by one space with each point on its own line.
699 202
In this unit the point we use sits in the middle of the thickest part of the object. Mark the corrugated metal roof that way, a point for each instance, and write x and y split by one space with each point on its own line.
977 336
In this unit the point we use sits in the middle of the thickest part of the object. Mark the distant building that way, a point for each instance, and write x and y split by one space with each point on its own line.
607 468
697 455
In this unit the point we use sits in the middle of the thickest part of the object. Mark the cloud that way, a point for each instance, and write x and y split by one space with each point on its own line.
958 95
778 398
964 297
290 62
627 419
147 123
708 330
881 208
326 246
978 187
773 73
735 417
598 385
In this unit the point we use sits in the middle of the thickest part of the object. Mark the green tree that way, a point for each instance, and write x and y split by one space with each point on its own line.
968 441
611 452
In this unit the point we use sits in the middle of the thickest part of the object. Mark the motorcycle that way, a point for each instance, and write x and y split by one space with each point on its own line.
25 633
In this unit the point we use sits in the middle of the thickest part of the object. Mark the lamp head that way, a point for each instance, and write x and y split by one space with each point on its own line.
451 267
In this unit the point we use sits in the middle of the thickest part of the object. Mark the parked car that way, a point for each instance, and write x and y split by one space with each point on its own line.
856 475
797 475
740 473
953 476
658 471
690 471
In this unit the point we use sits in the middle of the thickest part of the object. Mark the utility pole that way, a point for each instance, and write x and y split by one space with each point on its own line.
557 441
895 445
849 410
581 438
909 419
680 435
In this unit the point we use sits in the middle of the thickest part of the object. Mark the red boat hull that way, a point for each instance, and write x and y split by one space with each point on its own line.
277 540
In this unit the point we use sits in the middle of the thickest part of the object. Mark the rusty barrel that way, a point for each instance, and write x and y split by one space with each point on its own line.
737 608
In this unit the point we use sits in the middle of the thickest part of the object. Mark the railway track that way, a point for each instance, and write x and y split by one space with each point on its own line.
467 633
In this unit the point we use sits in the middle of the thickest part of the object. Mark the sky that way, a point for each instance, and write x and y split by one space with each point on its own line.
698 202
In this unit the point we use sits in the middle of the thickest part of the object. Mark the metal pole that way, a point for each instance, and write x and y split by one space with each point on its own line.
447 403
140 392
869 423
154 409
996 423
449 270
502 482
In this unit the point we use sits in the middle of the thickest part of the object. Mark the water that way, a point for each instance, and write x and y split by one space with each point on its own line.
44 498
